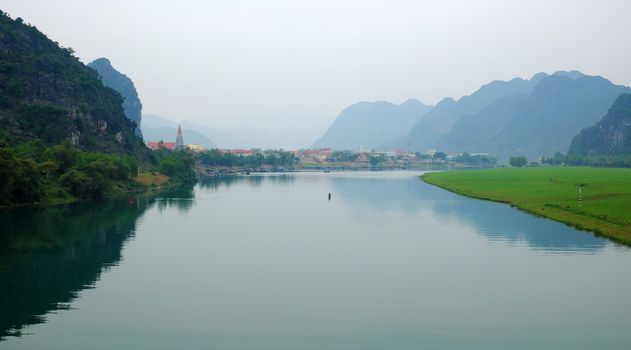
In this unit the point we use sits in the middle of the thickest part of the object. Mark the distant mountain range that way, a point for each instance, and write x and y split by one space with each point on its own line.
535 117
156 128
437 123
123 85
167 134
610 136
535 124
372 125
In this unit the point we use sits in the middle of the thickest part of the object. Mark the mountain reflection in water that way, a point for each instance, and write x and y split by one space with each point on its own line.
48 255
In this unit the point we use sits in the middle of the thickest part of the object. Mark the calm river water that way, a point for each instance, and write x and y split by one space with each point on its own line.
268 262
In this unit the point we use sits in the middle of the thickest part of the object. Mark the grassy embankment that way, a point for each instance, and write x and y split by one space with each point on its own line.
553 193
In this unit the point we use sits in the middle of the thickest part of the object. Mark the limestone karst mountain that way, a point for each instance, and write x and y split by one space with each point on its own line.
536 124
611 135
124 85
372 125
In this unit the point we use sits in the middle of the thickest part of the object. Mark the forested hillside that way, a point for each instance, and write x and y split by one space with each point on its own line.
63 134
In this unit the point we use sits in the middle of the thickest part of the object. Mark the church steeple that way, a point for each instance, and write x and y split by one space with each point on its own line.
179 141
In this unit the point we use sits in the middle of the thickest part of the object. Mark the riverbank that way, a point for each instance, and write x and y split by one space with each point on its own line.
204 171
553 192
150 183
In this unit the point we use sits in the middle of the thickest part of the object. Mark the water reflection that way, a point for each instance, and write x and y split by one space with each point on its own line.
407 194
268 262
181 198
495 221
254 180
48 255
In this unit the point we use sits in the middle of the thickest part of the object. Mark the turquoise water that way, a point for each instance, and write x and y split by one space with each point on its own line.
268 262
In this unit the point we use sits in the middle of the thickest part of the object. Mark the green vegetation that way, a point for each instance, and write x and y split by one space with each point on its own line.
553 192
475 159
518 162
377 159
63 134
607 161
176 164
439 156
343 157
35 173
215 157
47 94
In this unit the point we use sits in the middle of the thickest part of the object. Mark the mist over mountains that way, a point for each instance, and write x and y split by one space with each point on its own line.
156 128
437 123
372 125
531 117
536 124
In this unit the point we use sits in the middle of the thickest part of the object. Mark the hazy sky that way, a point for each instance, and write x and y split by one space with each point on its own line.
269 63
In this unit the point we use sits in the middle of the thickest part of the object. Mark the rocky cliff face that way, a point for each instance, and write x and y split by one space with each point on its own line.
610 136
48 95
124 85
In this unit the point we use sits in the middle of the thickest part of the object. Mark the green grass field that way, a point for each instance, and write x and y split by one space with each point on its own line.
553 192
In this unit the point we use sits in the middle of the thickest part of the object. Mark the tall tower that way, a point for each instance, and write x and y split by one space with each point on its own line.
179 141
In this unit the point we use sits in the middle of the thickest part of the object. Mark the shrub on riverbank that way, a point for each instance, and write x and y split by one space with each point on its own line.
176 164
35 173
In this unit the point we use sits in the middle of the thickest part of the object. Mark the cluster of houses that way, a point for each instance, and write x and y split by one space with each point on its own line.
194 147
327 155
314 155
394 157
154 145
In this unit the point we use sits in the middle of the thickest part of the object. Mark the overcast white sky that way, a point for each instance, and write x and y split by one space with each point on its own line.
290 64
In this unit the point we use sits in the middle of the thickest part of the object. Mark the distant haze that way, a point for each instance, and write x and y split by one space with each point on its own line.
294 66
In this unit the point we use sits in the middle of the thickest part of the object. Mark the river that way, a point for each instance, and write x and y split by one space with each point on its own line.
269 262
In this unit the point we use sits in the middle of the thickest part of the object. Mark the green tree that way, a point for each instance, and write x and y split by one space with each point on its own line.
84 186
376 160
439 155
20 179
518 162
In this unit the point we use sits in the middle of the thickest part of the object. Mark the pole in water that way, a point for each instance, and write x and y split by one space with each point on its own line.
329 196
